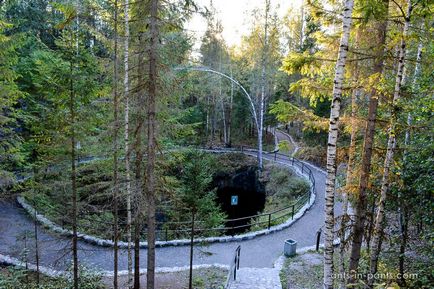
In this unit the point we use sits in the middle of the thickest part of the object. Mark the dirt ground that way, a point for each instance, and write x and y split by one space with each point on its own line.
210 278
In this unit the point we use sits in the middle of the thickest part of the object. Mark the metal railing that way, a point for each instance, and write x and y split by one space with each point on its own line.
174 230
234 266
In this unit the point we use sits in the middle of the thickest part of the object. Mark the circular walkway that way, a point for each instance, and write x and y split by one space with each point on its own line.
259 252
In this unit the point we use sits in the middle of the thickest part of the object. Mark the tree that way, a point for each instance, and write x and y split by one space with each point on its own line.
332 143
127 137
9 95
115 149
195 196
152 140
391 144
361 202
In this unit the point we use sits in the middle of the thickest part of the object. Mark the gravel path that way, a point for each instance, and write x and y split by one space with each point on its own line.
259 252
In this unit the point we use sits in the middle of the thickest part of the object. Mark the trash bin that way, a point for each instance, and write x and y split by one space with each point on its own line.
290 247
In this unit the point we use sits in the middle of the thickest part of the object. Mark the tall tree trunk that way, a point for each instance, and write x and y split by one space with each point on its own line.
138 162
355 95
127 137
115 150
263 84
331 145
190 279
370 225
403 245
73 177
415 75
360 208
35 224
151 148
225 127
229 114
391 144
138 196
403 210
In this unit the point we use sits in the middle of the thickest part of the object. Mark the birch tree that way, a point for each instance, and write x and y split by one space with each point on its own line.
127 137
332 143
263 84
391 144
115 149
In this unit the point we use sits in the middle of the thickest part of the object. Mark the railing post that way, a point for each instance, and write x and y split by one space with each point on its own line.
292 160
238 260
293 209
318 237
269 221
235 267
165 234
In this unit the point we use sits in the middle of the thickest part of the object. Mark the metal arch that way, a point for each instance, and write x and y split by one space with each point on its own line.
209 70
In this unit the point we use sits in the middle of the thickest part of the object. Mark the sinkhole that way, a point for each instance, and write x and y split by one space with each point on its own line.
240 194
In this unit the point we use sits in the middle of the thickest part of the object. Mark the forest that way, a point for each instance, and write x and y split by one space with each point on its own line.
185 144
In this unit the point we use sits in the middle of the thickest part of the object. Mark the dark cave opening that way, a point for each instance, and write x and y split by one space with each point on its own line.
240 194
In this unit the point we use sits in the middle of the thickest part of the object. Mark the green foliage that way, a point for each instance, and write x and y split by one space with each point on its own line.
16 278
283 187
287 112
195 193
9 94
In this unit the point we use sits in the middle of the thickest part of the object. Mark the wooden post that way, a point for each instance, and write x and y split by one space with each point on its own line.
190 281
269 221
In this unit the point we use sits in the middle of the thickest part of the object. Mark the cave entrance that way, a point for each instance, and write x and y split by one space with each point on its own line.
240 194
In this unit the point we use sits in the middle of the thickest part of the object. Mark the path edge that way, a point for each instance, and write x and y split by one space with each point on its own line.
50 225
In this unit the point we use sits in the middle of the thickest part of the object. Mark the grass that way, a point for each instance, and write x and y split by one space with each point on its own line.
306 270
302 271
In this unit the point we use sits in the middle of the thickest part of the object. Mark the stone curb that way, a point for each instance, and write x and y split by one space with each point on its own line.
11 261
181 242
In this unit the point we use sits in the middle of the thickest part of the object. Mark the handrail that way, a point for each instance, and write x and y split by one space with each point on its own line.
234 266
292 208
295 206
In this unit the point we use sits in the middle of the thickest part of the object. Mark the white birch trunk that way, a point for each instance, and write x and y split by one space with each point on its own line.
416 73
225 128
126 140
260 128
231 100
331 145
391 143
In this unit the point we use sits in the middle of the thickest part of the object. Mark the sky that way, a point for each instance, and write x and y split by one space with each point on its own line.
235 15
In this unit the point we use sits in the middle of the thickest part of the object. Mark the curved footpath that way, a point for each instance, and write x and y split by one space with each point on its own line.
260 252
